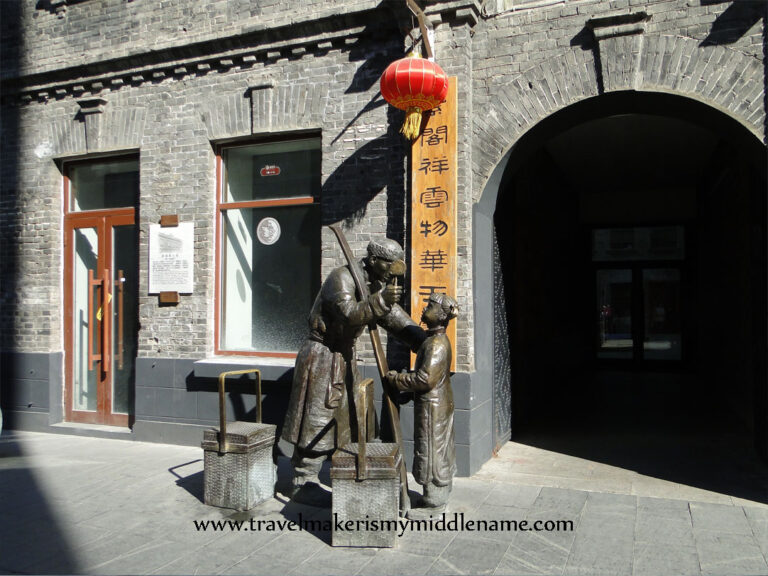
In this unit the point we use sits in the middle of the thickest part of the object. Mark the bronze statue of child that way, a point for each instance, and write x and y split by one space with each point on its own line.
434 458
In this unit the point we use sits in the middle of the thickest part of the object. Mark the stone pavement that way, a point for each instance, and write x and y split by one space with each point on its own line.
79 505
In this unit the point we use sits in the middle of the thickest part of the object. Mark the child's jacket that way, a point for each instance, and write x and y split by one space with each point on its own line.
434 458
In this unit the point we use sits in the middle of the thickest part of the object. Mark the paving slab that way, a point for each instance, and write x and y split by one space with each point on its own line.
560 502
652 529
282 555
470 555
758 520
712 517
427 544
604 540
655 559
730 474
85 505
727 554
212 558
537 553
335 562
118 545
397 563
616 486
514 495
468 494
142 560
621 504
654 488
664 507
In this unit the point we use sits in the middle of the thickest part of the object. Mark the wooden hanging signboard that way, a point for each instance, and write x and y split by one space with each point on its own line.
434 187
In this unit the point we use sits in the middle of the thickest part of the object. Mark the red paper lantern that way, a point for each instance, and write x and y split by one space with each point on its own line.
415 85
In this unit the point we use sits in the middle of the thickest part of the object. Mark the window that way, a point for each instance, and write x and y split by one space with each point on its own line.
108 184
269 245
638 286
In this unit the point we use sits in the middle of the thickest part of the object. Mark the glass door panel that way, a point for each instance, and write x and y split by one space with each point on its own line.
661 305
124 316
102 320
614 309
86 295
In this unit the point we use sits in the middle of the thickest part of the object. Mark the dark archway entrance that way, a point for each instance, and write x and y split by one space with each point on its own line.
631 245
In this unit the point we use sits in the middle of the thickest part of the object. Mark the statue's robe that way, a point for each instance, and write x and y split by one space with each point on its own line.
320 414
434 458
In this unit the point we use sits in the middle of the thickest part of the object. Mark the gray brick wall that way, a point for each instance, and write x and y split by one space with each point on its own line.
173 119
91 32
453 51
179 75
534 59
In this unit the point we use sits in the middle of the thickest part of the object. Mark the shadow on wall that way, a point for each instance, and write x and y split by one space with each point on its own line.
241 395
33 539
10 47
377 50
736 21
377 166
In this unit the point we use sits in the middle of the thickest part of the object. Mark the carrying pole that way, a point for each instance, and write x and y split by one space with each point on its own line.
381 364
223 448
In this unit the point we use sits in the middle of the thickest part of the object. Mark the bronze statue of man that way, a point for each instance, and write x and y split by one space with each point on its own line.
321 416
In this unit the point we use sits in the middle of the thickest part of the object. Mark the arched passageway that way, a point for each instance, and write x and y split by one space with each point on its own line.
631 270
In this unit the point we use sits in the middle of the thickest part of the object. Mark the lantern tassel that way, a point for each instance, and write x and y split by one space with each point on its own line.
412 125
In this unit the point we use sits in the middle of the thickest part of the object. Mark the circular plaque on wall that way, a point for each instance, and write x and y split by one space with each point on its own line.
268 231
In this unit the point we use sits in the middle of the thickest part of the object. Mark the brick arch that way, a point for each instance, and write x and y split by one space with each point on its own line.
726 79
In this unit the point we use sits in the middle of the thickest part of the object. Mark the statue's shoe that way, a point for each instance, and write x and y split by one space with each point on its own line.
311 494
426 512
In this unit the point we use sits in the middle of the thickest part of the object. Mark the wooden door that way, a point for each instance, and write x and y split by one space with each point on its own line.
101 279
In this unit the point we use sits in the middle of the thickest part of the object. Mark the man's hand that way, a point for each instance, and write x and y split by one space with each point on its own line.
392 294
316 323
391 376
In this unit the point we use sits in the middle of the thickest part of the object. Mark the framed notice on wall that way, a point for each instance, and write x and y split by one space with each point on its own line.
171 258
434 209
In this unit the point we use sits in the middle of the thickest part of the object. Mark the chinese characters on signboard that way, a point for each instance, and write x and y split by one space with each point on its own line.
434 209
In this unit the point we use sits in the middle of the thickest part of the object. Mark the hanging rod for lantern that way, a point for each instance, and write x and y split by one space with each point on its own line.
422 26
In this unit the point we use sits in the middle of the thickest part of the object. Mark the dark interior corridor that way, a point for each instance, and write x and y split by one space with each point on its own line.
631 234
